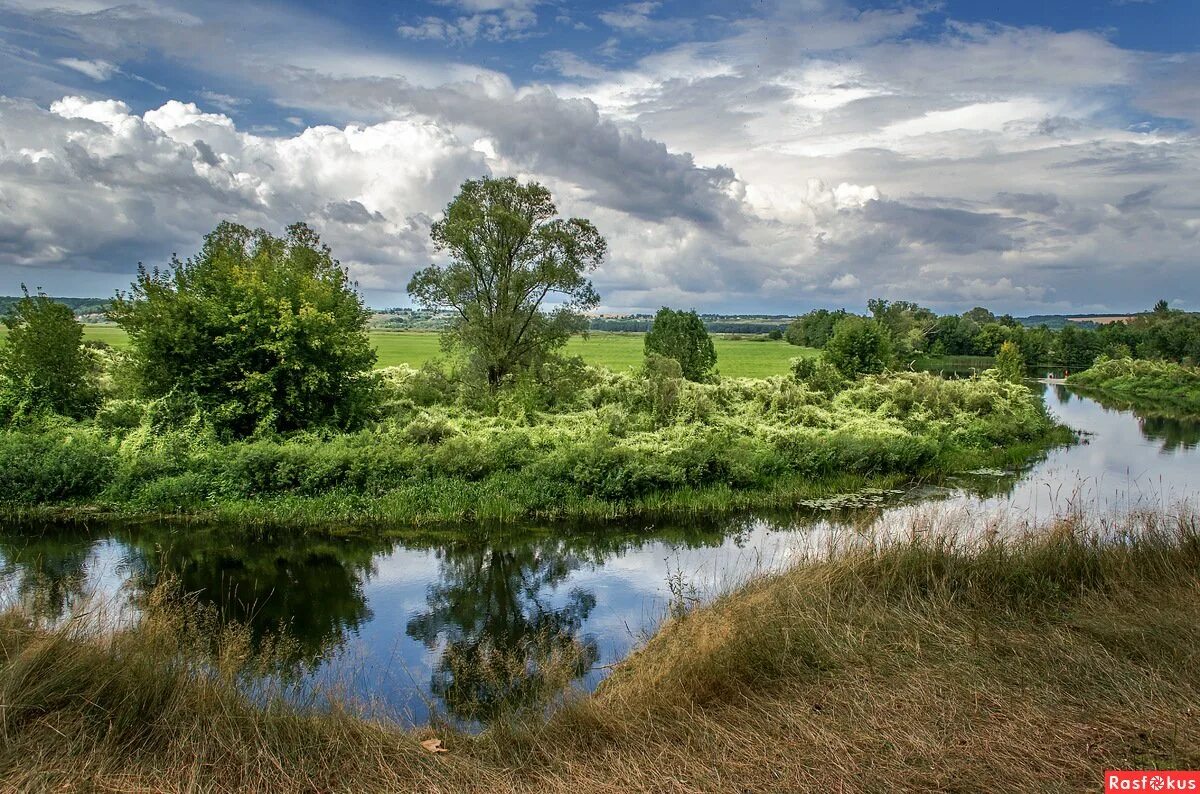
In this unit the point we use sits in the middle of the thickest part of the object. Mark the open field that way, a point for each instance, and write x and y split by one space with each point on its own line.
736 358
934 663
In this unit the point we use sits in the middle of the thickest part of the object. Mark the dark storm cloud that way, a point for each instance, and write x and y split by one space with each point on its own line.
351 212
951 230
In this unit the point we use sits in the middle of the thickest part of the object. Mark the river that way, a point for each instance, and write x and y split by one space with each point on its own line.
411 627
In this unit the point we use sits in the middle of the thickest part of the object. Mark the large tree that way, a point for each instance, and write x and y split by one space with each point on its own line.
510 254
43 366
263 333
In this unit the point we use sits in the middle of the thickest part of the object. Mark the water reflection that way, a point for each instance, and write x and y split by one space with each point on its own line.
47 573
463 625
1176 431
494 614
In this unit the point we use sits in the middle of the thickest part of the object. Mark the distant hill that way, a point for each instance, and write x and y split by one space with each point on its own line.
86 309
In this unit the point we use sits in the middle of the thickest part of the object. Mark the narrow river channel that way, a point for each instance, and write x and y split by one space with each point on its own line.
407 625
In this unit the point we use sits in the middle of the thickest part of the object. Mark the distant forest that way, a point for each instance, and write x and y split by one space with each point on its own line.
406 319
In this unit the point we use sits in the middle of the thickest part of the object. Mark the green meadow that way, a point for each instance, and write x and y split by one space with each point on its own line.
736 358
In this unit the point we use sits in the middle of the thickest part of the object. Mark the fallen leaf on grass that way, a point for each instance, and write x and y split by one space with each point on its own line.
434 746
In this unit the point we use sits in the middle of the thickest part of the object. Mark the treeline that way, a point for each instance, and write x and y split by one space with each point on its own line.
713 323
915 332
78 306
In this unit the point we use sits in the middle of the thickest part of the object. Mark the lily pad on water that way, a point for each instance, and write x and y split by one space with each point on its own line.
989 472
867 497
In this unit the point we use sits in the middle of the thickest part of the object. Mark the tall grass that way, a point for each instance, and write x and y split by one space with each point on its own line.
959 659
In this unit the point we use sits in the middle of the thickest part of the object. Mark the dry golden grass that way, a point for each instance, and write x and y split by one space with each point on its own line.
929 664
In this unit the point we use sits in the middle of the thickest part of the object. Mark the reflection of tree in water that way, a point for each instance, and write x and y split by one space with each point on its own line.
1175 432
493 609
309 589
49 570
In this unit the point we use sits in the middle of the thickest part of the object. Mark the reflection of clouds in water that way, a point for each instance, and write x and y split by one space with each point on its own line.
55 577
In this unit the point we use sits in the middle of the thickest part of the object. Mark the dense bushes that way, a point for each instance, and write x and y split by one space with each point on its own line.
261 333
1156 383
618 438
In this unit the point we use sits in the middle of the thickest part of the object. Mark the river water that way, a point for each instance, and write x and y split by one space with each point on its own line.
412 628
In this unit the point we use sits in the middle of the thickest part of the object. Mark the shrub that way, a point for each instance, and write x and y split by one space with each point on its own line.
266 333
818 374
859 347
1009 363
44 365
54 464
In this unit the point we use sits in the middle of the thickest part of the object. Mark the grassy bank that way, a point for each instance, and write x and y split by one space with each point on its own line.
605 445
1144 384
736 358
946 660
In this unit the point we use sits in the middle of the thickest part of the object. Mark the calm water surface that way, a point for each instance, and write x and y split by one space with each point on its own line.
409 625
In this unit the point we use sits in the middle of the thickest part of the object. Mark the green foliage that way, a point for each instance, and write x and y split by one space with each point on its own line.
44 365
1009 363
610 441
818 374
1076 348
682 336
1153 384
261 333
859 347
508 254
813 329
908 324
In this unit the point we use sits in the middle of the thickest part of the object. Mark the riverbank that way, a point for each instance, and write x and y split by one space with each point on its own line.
948 659
615 445
1160 385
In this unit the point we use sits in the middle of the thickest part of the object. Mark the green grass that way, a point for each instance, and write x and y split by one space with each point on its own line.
736 358
413 348
944 661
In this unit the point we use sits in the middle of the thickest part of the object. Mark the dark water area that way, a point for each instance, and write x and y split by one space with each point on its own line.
416 626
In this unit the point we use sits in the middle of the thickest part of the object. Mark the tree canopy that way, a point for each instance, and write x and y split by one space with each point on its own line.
682 336
43 365
859 347
263 333
510 254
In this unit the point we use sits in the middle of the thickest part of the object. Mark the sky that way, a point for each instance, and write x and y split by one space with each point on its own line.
1033 157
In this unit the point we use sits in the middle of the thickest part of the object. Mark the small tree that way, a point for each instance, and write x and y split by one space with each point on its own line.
683 337
509 253
261 332
859 347
44 366
1009 362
